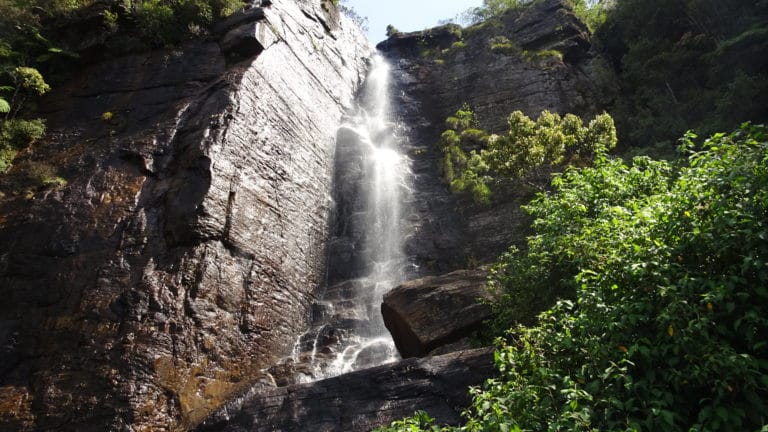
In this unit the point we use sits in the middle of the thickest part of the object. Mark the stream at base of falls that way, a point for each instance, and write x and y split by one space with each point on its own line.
373 191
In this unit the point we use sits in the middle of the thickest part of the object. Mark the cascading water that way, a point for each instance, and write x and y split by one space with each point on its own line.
348 332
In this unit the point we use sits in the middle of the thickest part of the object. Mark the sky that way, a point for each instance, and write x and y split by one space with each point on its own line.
406 15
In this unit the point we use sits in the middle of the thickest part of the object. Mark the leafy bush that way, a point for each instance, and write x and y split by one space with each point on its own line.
670 276
491 8
502 45
16 134
420 421
592 13
525 149
664 328
695 64
156 21
168 23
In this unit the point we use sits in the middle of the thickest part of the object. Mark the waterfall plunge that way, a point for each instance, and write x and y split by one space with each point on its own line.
351 334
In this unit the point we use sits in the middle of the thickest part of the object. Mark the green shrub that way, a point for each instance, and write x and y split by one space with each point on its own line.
502 45
20 133
31 80
157 22
698 64
458 45
168 23
540 55
420 421
15 135
527 148
668 267
491 8
41 175
662 271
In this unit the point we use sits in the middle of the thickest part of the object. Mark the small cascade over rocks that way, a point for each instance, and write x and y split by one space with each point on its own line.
367 256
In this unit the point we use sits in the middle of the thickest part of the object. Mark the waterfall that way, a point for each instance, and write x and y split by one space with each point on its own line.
374 178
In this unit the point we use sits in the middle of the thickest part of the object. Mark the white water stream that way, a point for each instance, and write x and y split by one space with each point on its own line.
384 193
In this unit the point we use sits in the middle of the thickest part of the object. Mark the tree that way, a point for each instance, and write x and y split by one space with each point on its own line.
661 272
491 8
350 11
527 148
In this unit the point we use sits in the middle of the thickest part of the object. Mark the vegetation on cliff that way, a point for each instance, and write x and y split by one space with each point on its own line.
694 64
639 300
476 161
661 270
592 12
39 40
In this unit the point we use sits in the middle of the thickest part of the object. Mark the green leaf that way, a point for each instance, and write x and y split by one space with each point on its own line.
4 106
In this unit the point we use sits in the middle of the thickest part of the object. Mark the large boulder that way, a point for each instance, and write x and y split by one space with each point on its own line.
362 400
435 311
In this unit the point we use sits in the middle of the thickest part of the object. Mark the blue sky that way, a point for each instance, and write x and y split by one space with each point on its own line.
406 15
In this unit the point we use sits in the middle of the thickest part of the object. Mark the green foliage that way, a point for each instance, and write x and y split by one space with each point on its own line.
693 64
156 21
491 8
168 23
15 135
669 272
502 45
458 45
473 160
539 55
592 13
30 79
664 327
392 30
420 421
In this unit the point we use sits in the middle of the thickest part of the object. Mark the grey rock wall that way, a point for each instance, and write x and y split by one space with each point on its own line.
183 255
547 64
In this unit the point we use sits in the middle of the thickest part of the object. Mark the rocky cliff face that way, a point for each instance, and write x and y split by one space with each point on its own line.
432 77
182 257
534 59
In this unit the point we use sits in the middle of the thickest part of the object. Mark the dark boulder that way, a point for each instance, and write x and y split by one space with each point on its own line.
361 400
428 313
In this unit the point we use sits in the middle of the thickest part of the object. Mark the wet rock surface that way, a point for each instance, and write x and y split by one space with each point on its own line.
183 255
343 336
429 313
362 400
546 64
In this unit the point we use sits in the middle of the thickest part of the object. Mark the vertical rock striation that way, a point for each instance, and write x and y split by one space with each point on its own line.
532 59
433 76
183 255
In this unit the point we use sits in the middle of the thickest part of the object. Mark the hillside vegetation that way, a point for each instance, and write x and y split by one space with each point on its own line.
639 301
692 64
